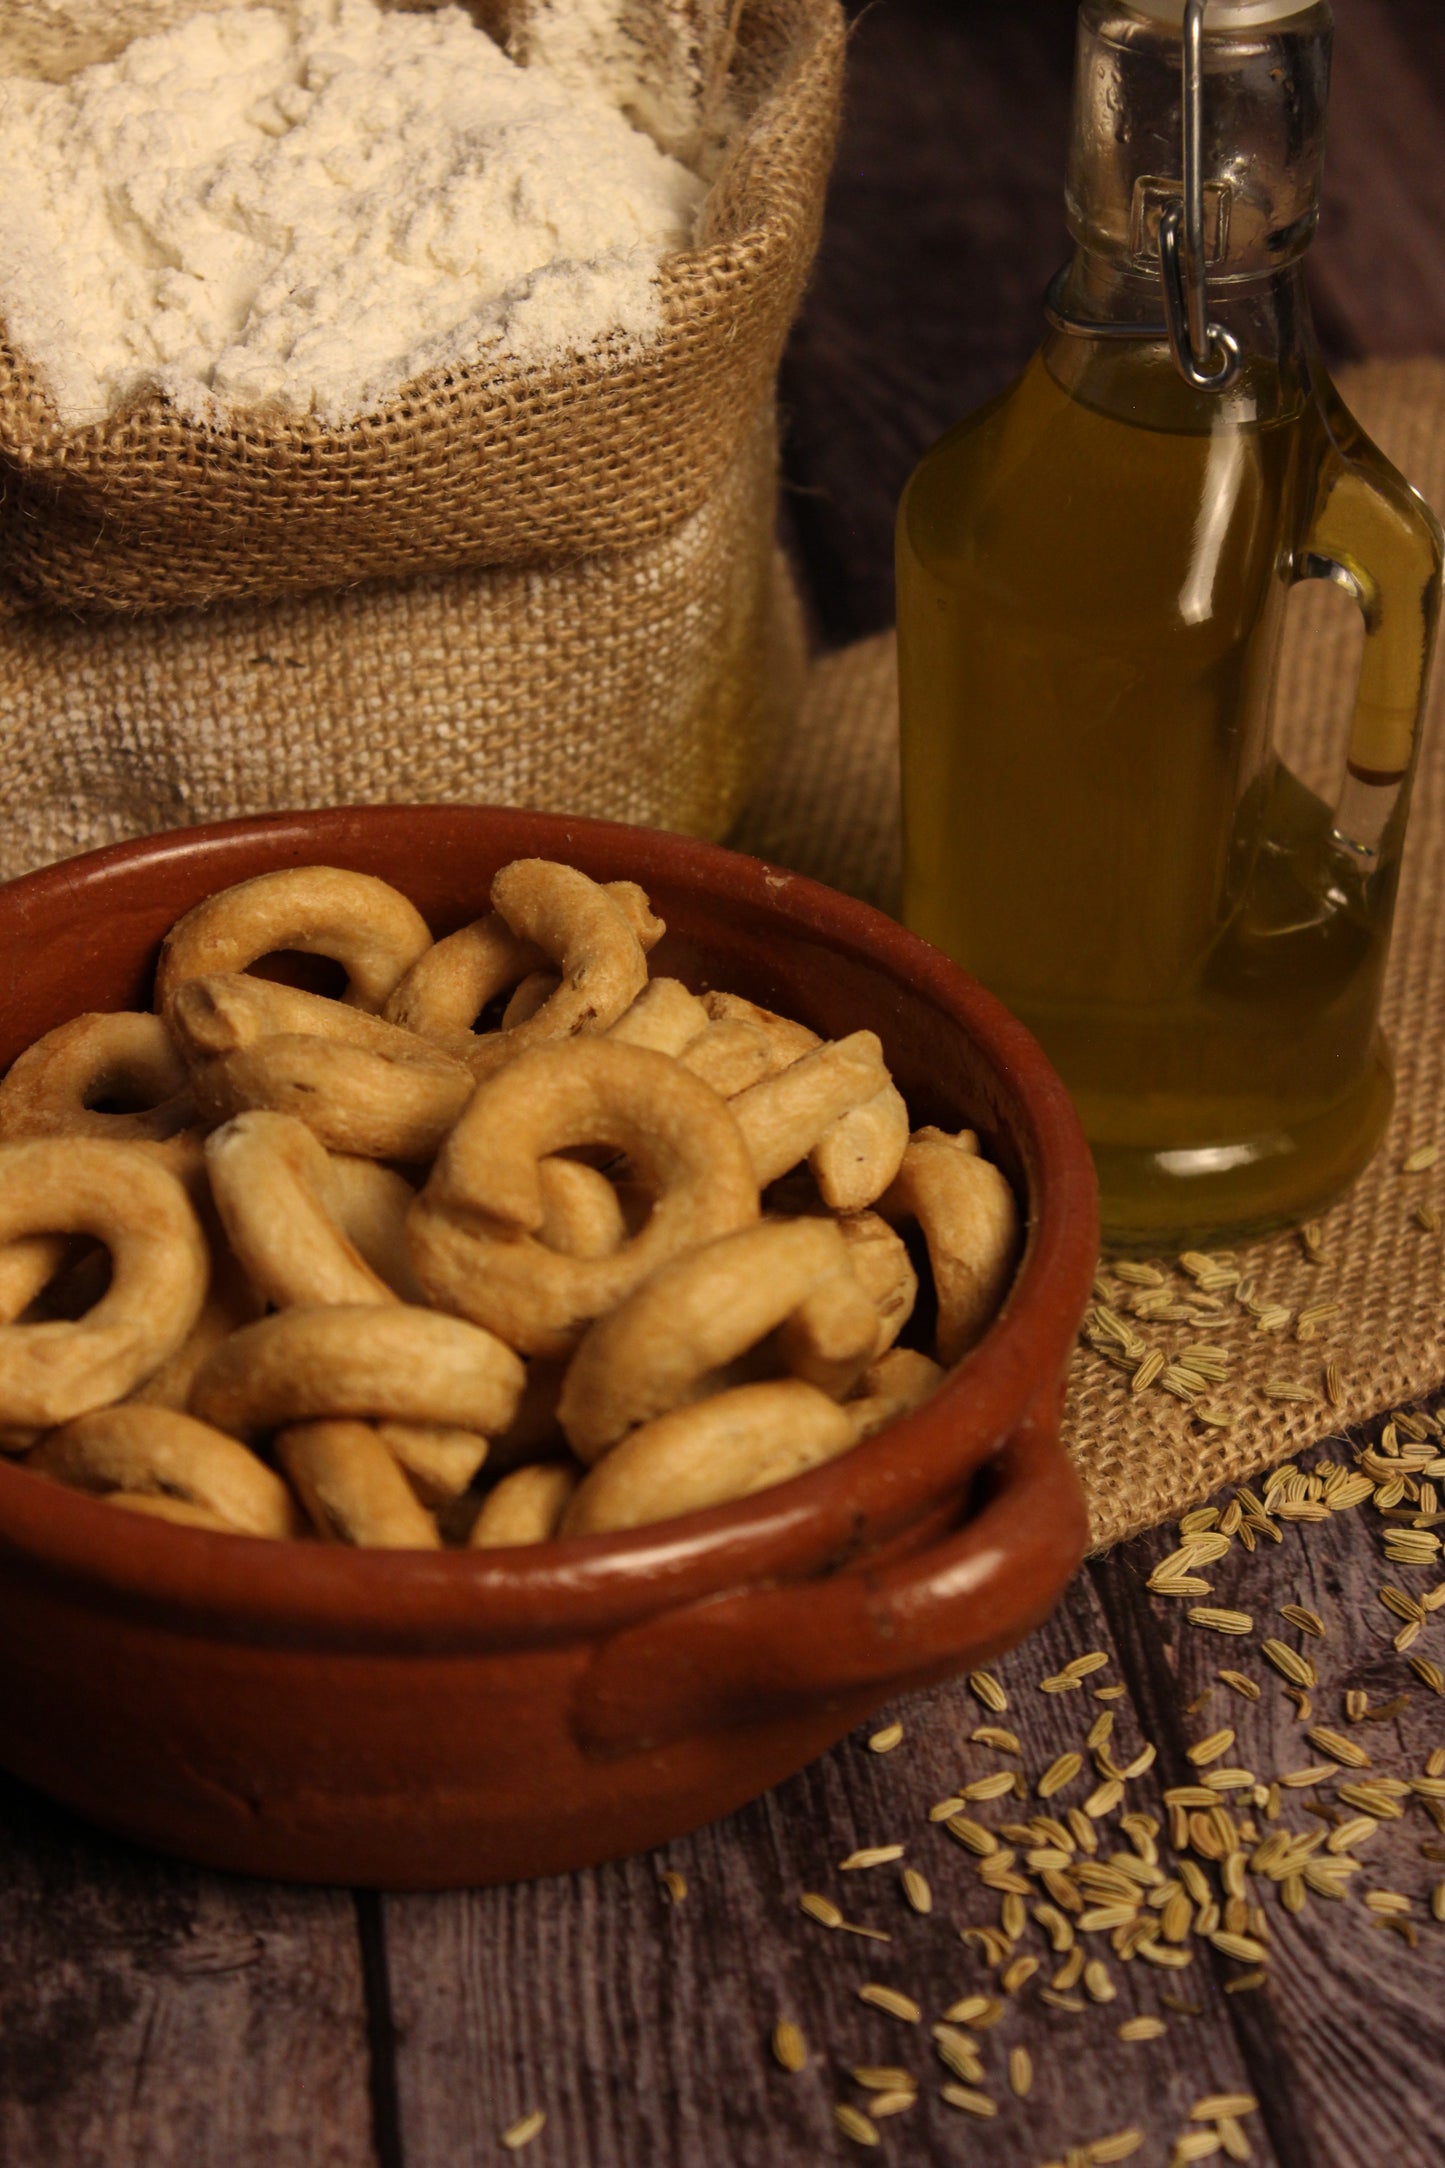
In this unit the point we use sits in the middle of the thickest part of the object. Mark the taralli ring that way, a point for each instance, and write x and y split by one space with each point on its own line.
586 934
883 1269
856 1156
271 1182
730 1055
582 1214
697 1314
391 1362
738 1442
231 1302
366 926
475 1228
362 1086
970 1221
27 1268
447 989
353 1489
665 1017
440 1461
120 1195
783 1117
855 1159
526 1506
158 1453
898 1382
61 1085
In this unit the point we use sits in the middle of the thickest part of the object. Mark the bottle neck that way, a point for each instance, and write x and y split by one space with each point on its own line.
1264 93
1269 315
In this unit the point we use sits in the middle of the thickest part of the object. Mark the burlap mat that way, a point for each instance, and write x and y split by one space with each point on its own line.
832 811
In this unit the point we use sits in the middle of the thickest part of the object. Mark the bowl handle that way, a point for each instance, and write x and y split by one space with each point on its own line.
863 1635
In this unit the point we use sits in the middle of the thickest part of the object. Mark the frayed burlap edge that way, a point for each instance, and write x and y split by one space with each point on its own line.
831 810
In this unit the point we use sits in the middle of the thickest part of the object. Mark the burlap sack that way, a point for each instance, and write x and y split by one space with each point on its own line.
582 604
494 465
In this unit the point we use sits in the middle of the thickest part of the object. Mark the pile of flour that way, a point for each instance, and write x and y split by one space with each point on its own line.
301 207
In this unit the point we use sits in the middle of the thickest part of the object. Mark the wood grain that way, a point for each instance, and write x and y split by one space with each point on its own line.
1347 2047
642 2027
152 2016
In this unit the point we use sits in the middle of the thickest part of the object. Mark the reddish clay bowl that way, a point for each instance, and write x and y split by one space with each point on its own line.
416 1720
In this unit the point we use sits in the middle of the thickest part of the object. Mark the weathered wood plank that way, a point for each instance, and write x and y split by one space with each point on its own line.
152 2016
1346 2044
642 2028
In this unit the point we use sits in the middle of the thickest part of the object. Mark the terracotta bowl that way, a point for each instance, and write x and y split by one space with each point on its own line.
419 1720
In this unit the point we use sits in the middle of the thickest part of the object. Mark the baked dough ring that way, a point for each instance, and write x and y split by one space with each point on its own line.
447 989
665 1016
883 1269
271 1182
52 1088
353 1489
229 1010
970 1222
727 1447
372 1106
27 1267
832 1335
897 1383
783 1117
440 1460
854 1161
159 1453
362 1086
526 1506
370 1203
696 1314
528 996
582 1214
231 1302
123 1197
730 1055
789 1039
474 1229
363 924
389 1361
585 934
856 1158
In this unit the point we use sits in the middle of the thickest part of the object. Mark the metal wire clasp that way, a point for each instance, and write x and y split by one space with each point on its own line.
1205 354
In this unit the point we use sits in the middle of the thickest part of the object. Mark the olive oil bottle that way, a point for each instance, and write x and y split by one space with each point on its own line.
1092 581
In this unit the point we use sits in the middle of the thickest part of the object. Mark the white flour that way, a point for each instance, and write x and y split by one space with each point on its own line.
306 205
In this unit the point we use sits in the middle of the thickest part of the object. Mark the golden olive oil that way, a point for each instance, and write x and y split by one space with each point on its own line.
1092 576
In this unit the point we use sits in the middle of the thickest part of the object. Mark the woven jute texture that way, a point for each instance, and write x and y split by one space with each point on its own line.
497 464
832 811
642 685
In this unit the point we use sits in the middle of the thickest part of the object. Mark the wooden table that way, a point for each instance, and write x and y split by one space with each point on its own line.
153 2015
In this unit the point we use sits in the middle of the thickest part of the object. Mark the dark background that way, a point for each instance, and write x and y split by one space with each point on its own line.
945 223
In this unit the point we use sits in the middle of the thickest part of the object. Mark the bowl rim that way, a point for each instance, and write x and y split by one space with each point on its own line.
530 1596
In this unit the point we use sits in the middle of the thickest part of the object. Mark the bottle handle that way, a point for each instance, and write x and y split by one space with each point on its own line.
1373 535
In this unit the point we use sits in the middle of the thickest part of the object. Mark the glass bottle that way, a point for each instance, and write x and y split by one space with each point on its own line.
1092 580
